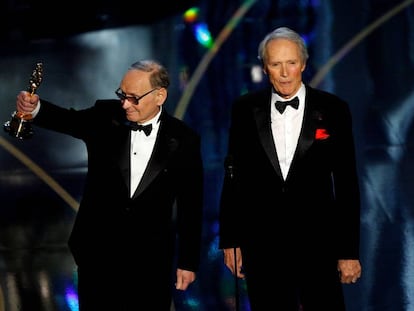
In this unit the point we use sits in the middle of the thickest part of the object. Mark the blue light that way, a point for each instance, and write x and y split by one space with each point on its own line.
203 35
72 299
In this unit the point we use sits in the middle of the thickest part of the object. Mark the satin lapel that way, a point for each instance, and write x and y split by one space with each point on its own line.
263 124
312 117
307 134
164 146
125 157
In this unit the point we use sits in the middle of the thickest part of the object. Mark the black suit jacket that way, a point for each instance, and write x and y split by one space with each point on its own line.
112 228
318 203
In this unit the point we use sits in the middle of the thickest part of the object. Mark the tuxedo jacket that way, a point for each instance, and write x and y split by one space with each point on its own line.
317 207
166 208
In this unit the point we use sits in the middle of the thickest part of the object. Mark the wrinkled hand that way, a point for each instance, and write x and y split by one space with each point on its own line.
184 279
230 262
349 270
26 102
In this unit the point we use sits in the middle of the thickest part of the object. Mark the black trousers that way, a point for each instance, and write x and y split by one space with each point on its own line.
116 288
294 284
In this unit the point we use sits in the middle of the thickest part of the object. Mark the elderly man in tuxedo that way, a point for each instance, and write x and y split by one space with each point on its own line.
137 233
290 204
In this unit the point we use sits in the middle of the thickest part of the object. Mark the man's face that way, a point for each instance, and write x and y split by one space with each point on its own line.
284 66
141 102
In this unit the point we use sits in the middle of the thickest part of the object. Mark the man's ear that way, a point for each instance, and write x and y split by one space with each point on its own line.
161 95
303 68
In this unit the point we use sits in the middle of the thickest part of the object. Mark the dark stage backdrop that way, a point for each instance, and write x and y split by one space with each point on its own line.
361 50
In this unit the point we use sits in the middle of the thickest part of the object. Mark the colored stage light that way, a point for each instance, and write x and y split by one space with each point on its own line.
203 35
191 15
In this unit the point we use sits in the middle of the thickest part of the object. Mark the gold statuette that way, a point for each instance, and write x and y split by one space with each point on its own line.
20 124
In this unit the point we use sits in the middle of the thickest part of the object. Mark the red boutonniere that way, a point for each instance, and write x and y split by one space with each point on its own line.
321 134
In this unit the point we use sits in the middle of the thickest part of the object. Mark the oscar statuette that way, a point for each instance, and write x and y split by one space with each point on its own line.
20 124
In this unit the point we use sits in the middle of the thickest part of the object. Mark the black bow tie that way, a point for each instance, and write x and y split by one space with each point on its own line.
281 106
138 127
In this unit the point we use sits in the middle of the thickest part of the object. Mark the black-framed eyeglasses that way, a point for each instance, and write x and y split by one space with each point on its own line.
132 98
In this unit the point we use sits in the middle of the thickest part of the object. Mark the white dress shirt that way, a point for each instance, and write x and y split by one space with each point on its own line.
286 128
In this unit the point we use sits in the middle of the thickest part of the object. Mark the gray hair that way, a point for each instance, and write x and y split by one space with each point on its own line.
283 33
159 75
